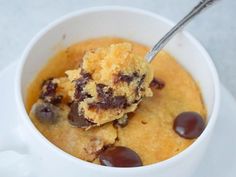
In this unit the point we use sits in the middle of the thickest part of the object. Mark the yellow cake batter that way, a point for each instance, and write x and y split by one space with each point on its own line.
149 129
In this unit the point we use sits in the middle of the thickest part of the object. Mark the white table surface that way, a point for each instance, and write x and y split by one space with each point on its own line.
20 20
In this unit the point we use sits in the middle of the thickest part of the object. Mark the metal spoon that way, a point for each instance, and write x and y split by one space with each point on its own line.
203 4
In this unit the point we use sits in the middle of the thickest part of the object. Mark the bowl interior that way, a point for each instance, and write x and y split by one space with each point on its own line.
135 25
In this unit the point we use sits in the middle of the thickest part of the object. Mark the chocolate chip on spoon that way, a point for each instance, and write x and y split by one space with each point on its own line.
123 78
107 100
79 86
189 125
76 117
120 156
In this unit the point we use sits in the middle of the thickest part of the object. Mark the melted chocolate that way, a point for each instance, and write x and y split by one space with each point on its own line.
104 93
120 156
85 75
46 113
48 87
57 99
123 78
77 118
48 93
119 102
107 100
189 125
157 83
80 84
139 87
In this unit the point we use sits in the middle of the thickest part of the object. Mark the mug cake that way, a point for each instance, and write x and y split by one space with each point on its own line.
100 101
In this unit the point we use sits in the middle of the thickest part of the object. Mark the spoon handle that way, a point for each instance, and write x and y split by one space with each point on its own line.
180 25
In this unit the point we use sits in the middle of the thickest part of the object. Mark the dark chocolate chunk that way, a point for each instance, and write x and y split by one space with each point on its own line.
119 102
110 103
135 74
85 75
142 79
76 117
48 93
107 100
48 88
79 86
139 87
98 105
80 96
46 113
189 125
123 78
157 83
120 156
102 93
57 99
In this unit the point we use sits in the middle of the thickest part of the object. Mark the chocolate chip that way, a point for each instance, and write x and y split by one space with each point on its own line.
46 113
120 77
48 88
123 78
135 74
107 100
119 102
98 105
120 156
157 83
189 125
139 87
79 86
48 93
76 117
80 96
57 99
86 76
142 79
122 122
103 91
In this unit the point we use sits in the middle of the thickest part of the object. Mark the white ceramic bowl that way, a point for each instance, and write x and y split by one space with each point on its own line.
134 24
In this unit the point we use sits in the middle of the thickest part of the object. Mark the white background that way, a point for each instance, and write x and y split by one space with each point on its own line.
20 20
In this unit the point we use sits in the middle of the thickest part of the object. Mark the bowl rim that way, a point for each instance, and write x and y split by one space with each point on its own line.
158 165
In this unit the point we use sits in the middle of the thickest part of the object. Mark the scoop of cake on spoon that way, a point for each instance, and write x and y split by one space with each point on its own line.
112 81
